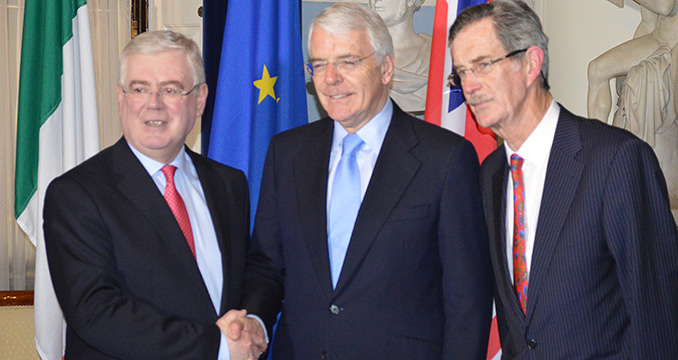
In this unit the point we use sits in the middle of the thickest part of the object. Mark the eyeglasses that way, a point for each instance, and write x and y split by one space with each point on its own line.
482 68
169 94
343 65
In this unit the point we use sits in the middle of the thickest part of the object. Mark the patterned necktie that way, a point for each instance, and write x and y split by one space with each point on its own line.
176 204
344 204
520 276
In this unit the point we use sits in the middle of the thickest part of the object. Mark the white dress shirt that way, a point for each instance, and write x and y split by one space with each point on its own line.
535 151
207 252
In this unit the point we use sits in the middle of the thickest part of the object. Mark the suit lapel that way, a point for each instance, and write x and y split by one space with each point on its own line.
214 189
498 204
311 168
133 181
496 221
498 226
562 179
393 171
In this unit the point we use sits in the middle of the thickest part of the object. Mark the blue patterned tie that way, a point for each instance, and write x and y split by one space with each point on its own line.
344 204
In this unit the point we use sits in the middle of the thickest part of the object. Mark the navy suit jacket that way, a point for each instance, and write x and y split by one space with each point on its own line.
416 282
604 271
123 273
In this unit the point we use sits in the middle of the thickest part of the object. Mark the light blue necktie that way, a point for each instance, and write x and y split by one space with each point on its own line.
344 204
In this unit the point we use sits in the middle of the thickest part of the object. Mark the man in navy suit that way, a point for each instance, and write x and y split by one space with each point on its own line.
583 244
139 276
411 277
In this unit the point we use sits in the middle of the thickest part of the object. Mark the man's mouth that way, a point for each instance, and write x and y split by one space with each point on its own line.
476 100
156 123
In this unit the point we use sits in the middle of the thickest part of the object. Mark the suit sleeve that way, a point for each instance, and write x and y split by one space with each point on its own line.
641 233
265 270
98 307
464 248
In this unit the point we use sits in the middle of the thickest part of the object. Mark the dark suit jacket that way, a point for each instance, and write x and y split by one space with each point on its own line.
416 282
604 271
123 273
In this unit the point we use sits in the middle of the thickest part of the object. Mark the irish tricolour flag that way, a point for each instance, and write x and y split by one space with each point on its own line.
57 128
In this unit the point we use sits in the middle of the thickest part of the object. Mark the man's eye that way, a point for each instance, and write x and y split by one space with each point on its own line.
319 66
461 72
484 65
348 63
138 90
170 91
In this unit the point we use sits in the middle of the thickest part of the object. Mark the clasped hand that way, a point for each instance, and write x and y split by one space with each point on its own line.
246 337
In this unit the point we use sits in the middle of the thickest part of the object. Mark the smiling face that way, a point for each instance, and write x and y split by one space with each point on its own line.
496 98
353 97
158 130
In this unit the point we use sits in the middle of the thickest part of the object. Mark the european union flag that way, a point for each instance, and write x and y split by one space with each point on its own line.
260 90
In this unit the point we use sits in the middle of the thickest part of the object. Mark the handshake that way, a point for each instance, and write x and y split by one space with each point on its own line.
246 336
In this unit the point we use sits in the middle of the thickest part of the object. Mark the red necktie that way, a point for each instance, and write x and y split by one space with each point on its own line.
520 276
176 204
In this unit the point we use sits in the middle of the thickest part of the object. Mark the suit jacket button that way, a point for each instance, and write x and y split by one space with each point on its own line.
532 344
334 309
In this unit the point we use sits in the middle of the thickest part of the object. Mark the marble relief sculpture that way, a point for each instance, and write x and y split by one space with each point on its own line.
412 52
647 71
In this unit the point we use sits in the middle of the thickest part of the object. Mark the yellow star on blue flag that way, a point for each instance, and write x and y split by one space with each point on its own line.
243 123
265 85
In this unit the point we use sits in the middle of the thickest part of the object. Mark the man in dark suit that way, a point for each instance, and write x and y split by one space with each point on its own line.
583 244
394 263
139 276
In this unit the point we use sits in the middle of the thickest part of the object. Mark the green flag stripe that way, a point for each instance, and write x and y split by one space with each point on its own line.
47 28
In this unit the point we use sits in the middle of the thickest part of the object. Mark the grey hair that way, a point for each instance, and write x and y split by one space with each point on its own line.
153 42
345 17
516 25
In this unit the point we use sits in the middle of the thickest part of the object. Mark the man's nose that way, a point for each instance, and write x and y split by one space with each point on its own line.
470 82
155 100
332 74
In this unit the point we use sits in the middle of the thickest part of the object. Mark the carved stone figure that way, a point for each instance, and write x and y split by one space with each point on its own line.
647 104
412 52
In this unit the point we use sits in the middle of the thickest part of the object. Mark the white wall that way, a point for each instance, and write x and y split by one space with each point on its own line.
579 31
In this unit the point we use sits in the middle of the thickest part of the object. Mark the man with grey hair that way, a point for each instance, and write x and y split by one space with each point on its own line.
370 223
583 244
146 240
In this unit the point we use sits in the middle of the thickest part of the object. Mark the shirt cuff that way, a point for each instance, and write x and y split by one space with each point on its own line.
252 316
224 353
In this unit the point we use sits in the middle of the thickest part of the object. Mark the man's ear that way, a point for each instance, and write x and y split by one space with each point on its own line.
121 97
535 59
202 98
387 67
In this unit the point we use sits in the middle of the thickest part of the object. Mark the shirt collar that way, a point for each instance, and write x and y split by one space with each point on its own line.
372 133
182 162
537 146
